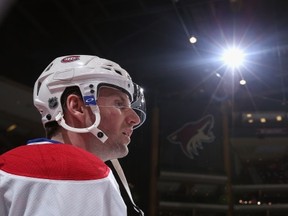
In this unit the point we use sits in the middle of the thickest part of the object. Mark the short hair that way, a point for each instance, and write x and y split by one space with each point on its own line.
51 128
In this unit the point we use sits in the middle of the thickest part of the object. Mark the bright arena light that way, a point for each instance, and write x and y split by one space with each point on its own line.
242 82
233 57
193 39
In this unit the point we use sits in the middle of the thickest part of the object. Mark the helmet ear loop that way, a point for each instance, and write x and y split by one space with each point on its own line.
92 129
95 130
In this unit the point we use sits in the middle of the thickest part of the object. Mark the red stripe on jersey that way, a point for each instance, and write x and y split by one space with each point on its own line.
53 161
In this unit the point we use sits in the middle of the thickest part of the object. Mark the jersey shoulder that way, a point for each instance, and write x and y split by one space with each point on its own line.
53 161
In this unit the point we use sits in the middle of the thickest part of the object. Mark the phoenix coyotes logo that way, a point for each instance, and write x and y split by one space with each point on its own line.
191 135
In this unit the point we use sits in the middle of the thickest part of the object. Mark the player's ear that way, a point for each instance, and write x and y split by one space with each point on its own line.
74 105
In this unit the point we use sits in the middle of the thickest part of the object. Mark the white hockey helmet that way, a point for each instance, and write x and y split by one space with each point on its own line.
89 73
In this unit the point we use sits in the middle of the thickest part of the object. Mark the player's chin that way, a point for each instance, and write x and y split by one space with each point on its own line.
126 143
124 152
126 140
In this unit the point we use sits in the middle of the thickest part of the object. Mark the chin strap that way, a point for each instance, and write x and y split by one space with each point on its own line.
124 182
92 129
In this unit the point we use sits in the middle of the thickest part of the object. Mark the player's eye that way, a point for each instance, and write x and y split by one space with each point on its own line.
121 105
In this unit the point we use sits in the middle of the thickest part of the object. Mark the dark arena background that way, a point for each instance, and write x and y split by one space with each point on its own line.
215 141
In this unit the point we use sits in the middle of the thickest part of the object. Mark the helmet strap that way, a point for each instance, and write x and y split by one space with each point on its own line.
92 129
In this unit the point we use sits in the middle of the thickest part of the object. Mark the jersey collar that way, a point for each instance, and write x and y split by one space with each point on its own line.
42 141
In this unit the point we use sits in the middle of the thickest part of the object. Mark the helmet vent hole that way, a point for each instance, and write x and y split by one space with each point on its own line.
38 87
118 72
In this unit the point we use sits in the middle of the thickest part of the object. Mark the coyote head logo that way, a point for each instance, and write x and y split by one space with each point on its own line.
191 135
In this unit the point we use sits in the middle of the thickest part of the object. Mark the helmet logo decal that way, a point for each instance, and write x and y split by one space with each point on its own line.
53 103
69 59
90 100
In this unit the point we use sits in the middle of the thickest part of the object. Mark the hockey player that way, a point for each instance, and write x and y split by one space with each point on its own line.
89 108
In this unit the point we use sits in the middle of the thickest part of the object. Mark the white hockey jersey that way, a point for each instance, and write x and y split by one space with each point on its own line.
57 180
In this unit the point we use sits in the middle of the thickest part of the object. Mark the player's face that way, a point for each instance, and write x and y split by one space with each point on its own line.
117 119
